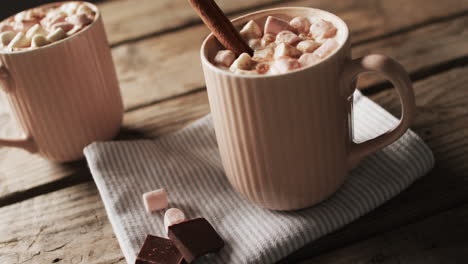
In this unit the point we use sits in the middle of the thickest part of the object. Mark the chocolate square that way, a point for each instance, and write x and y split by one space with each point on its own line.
195 238
158 250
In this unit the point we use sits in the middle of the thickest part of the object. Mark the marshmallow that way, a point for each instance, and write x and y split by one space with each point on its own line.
85 9
267 39
263 54
69 8
79 19
27 15
23 26
300 25
19 41
39 41
251 30
284 65
244 62
284 49
307 46
36 29
321 29
275 25
224 58
262 68
63 25
155 200
57 34
173 216
53 17
6 37
5 27
327 47
308 59
287 37
255 43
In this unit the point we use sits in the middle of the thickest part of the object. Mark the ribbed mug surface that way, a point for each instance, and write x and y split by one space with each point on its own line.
283 139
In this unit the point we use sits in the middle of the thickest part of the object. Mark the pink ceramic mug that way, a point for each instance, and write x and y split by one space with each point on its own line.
286 140
65 95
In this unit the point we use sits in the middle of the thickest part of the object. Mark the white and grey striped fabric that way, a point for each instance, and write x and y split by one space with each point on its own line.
188 165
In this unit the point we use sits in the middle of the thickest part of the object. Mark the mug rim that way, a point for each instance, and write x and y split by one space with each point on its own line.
210 37
68 38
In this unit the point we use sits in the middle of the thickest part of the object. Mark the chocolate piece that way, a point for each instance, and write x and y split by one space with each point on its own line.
158 250
195 238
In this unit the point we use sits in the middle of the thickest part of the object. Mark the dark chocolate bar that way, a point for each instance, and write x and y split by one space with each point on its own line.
195 238
158 250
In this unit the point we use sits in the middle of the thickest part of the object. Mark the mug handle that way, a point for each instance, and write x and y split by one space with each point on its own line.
396 74
26 143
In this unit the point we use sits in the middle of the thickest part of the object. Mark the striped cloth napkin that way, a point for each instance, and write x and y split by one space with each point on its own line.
188 166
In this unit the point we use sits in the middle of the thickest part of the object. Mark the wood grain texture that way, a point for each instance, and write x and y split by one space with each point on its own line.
70 226
438 239
443 188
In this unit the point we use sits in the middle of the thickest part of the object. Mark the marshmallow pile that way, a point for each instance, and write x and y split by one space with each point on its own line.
282 46
40 26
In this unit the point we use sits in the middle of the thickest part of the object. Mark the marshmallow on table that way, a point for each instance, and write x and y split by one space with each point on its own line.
308 59
284 49
283 65
275 25
155 200
287 37
224 58
251 30
243 62
322 29
307 46
173 216
6 37
327 47
301 25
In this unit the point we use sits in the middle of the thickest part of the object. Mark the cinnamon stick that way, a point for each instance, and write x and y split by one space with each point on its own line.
219 24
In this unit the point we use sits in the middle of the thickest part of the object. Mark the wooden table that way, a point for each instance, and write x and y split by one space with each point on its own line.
52 213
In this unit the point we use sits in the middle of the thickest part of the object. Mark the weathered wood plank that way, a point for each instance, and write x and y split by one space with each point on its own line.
67 226
443 188
440 239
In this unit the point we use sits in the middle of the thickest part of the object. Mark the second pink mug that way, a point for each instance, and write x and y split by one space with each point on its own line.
65 95
286 140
